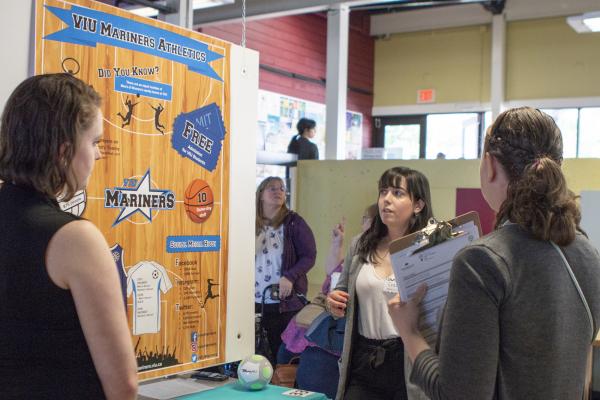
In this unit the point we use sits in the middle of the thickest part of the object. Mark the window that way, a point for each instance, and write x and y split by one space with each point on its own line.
589 135
452 135
566 119
455 135
487 121
401 136
403 140
460 135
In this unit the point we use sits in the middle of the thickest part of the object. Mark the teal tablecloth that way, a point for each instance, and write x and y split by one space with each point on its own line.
233 391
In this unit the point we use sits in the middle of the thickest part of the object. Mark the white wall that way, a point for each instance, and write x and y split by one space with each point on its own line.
16 31
590 223
590 215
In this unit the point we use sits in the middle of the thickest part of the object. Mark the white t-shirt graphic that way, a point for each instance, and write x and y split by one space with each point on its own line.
146 280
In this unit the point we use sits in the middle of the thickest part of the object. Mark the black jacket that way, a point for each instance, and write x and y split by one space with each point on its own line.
304 148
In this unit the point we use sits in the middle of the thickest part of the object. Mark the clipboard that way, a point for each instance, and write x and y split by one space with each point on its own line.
415 260
409 240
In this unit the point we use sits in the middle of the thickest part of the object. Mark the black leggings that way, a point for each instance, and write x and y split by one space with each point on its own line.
376 370
274 323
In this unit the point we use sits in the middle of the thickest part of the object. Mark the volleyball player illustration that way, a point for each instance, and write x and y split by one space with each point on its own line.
127 117
157 123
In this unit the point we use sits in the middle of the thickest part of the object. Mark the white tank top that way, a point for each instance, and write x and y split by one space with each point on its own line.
374 322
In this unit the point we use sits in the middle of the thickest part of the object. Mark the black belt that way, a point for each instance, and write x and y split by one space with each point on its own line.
378 348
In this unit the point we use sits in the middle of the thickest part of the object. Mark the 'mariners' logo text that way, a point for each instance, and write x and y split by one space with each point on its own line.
138 196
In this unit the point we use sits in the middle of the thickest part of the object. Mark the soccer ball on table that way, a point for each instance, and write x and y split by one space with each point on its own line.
255 372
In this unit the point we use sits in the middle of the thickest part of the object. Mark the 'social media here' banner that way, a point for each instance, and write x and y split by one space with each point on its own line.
88 27
187 244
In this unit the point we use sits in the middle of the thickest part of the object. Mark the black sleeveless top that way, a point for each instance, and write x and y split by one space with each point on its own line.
43 353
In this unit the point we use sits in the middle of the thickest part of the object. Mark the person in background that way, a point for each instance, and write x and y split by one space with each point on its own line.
373 362
285 251
517 324
300 143
293 340
368 215
63 329
318 369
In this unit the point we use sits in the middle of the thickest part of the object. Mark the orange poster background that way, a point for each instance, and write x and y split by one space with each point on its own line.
192 307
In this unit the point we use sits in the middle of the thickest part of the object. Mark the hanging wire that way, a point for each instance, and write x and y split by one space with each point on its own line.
244 23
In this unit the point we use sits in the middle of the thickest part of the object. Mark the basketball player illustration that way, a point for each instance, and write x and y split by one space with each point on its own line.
209 293
127 117
157 123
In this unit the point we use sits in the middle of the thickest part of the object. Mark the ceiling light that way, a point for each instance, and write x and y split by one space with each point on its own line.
150 12
210 3
592 22
588 22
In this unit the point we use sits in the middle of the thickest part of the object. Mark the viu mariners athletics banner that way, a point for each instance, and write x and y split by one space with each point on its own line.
160 192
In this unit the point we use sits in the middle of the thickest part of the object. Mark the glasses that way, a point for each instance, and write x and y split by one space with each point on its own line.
274 189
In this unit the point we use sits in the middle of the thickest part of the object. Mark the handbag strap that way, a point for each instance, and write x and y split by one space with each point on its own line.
576 283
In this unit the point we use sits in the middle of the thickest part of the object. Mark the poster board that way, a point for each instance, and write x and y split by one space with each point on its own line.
279 114
277 119
160 192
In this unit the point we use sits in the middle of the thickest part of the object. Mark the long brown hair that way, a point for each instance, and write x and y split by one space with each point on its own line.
417 187
261 220
41 124
529 146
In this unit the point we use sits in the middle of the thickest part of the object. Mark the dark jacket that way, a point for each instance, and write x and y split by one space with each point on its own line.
304 148
514 326
299 255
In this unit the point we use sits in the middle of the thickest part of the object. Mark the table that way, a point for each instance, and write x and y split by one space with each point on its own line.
234 391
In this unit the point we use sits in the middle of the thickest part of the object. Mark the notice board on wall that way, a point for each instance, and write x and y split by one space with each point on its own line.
279 114
160 192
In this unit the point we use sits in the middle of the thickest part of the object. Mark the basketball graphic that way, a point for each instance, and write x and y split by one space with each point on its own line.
198 201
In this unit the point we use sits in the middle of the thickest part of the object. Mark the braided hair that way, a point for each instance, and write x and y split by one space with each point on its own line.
528 145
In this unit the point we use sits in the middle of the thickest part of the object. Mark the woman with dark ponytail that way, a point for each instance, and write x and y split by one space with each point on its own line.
300 143
524 301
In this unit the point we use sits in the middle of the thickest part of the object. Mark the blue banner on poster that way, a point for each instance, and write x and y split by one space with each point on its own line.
143 87
209 119
88 27
185 244
198 135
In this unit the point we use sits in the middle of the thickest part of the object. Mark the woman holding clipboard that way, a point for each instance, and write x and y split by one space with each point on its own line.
372 362
524 301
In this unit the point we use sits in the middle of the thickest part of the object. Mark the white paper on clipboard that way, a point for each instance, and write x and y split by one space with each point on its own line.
432 267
